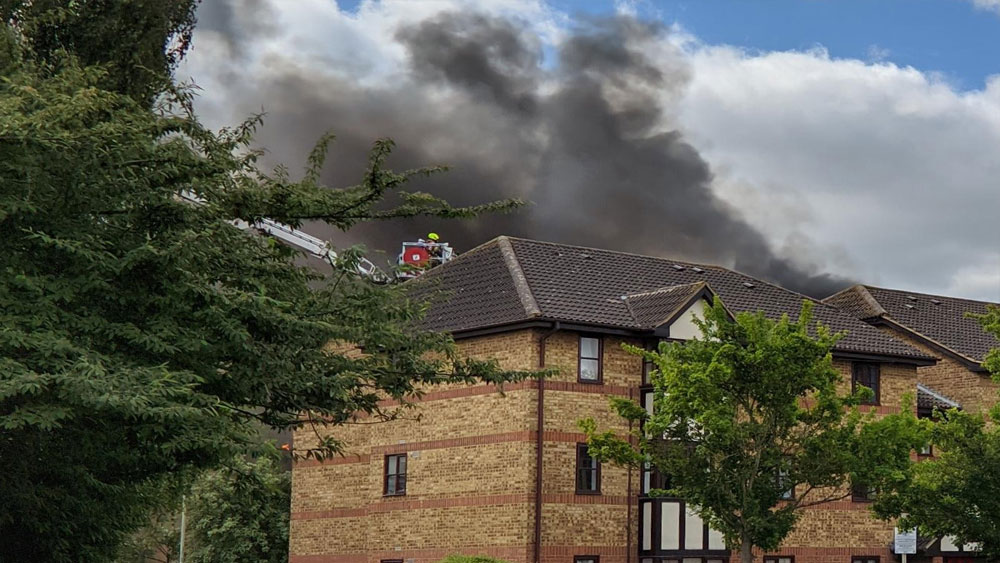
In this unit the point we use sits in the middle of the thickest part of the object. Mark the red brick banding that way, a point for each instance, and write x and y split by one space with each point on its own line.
523 436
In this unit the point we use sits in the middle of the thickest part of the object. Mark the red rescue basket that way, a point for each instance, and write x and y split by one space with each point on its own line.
414 255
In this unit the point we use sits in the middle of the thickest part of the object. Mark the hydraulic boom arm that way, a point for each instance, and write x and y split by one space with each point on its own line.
299 239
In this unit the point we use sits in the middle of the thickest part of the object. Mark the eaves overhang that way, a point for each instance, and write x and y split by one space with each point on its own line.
617 330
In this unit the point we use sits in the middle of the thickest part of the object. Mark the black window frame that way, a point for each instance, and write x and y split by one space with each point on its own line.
580 358
581 558
856 368
862 493
777 558
582 452
398 491
865 558
657 479
787 494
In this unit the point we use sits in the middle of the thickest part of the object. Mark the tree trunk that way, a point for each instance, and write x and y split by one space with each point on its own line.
746 551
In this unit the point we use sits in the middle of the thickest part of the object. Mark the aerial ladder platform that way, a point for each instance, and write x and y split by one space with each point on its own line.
415 256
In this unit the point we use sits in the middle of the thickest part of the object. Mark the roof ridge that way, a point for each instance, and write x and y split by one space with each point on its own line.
870 300
938 396
935 295
517 276
687 262
688 302
663 289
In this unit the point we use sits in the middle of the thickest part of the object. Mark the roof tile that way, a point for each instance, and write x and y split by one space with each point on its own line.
585 285
939 318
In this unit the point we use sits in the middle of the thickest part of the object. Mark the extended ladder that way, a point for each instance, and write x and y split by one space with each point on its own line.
300 239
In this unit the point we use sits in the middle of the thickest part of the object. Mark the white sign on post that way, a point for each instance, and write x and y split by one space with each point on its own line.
905 541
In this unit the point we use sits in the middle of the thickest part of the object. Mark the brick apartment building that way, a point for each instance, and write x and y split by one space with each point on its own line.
506 474
938 326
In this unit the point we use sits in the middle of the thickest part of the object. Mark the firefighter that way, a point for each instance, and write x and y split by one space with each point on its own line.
434 249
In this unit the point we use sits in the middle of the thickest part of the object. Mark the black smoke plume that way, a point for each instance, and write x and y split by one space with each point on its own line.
585 137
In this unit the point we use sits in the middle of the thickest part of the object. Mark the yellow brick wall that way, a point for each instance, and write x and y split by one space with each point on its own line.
326 487
469 491
584 525
974 391
470 472
488 469
461 528
840 525
320 537
620 367
559 475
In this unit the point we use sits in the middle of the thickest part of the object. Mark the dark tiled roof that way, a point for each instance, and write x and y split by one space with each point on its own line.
928 398
475 290
509 279
651 309
857 302
934 317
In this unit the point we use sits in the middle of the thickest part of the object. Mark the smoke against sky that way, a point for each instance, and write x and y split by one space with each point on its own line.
586 136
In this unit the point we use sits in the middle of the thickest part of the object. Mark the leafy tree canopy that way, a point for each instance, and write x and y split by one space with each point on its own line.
234 514
142 337
749 411
138 42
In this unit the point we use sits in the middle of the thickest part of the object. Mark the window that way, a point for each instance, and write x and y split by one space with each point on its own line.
647 365
391 561
866 374
862 493
653 479
590 359
588 472
779 559
864 559
395 475
586 559
926 450
788 491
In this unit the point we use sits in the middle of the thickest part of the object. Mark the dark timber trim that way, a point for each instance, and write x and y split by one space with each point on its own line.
539 441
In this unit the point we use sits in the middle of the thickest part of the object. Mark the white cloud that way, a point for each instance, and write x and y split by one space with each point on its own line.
887 162
993 5
877 53
979 279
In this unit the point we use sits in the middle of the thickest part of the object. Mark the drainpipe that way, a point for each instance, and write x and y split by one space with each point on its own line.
628 512
539 443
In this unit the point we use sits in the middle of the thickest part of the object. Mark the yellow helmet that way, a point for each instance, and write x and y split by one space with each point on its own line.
433 236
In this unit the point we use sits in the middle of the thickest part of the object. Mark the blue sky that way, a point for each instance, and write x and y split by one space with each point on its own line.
950 37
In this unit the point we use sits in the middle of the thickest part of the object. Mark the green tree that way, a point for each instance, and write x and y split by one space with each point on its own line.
142 337
748 412
138 42
241 514
957 493
233 514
